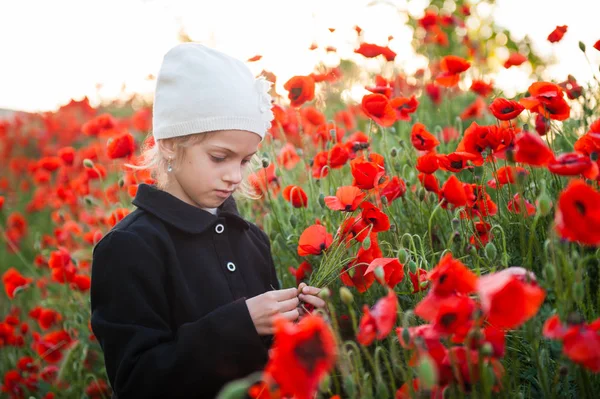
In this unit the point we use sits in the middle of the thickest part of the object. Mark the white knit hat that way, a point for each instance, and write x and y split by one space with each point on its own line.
199 89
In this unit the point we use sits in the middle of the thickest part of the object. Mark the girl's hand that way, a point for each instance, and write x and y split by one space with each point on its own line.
264 308
308 296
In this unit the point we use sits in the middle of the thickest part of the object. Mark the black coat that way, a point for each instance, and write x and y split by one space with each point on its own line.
169 284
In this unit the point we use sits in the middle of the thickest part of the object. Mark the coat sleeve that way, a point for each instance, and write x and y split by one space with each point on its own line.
144 356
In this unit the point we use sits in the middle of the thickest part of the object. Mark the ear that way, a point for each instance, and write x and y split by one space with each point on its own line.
166 148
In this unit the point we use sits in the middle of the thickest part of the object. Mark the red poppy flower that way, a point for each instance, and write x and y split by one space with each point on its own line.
375 217
378 108
338 156
395 188
373 50
456 161
429 182
378 322
296 196
557 34
45 317
507 175
302 272
509 298
505 110
433 92
320 165
453 192
578 216
120 146
302 354
14 280
51 346
50 163
67 154
428 163
482 88
393 270
98 125
422 139
288 156
314 240
514 206
367 174
313 116
452 276
581 342
473 110
301 89
541 125
382 86
597 45
482 234
547 99
589 143
263 179
571 87
347 199
454 316
451 67
515 59
530 149
418 280
573 164
404 107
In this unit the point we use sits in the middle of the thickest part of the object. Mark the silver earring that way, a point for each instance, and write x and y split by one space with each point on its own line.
169 166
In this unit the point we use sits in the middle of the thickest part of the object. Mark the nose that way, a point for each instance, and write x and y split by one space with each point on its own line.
233 175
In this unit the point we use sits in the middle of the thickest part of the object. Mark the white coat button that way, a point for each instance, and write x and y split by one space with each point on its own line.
230 266
219 228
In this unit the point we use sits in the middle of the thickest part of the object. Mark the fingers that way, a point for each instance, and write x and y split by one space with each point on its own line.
313 300
282 295
287 305
307 289
292 315
301 286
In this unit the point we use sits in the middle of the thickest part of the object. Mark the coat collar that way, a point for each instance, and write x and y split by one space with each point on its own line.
182 215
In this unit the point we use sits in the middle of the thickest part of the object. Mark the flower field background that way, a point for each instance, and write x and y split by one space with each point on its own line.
454 231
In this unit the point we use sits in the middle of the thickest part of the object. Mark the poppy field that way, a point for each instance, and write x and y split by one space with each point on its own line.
455 232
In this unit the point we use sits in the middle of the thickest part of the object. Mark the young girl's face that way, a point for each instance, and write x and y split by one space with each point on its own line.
212 169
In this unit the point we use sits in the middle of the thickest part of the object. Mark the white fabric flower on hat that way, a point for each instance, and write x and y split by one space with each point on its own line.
263 86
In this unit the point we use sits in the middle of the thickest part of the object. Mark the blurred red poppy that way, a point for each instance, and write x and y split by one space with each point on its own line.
530 149
422 139
393 270
451 67
378 108
515 59
300 89
404 107
557 34
378 322
578 215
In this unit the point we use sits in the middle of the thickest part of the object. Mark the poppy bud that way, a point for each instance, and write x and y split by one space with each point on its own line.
350 386
427 372
88 163
265 162
394 152
384 200
473 250
88 200
421 193
293 220
402 255
582 46
490 251
412 266
455 222
550 272
379 273
322 199
366 244
406 336
578 293
594 156
325 384
235 390
423 284
525 127
346 295
487 349
121 183
544 203
510 155
392 227
325 293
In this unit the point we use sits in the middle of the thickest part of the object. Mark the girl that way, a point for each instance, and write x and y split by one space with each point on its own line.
184 291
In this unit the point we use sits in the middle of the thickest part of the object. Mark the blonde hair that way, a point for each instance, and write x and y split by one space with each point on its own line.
152 160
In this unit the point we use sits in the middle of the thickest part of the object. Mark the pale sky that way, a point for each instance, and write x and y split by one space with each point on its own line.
55 50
